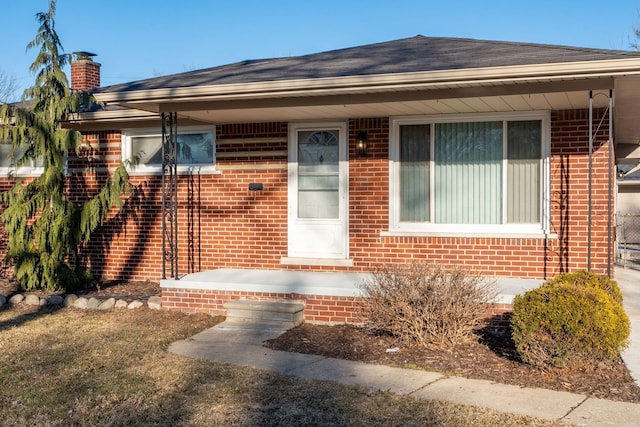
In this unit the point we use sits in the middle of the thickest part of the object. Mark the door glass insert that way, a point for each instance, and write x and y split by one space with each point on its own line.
318 174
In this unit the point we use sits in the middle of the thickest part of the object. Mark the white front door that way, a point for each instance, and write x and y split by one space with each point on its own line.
318 187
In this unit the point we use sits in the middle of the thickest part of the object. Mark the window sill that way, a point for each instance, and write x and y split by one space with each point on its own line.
474 234
21 172
182 170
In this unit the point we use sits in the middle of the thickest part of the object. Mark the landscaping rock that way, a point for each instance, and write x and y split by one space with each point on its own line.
72 300
31 299
56 300
69 300
135 304
155 303
106 305
16 299
81 303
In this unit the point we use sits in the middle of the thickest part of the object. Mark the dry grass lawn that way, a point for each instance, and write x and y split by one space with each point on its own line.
72 367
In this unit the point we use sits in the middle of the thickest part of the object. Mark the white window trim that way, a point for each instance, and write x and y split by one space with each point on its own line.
141 169
396 227
24 171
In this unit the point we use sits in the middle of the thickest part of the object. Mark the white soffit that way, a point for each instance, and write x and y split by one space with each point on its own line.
627 114
529 102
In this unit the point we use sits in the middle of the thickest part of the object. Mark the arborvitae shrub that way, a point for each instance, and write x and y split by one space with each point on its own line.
427 304
563 323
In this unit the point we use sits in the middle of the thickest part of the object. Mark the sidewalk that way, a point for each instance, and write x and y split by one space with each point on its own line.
243 346
629 281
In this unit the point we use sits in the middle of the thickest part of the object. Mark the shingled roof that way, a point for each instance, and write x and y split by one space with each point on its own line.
415 54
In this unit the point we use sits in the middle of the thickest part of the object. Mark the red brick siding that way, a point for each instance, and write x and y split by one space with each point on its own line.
569 193
318 308
223 224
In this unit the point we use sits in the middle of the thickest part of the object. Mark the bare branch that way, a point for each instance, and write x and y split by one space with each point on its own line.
8 88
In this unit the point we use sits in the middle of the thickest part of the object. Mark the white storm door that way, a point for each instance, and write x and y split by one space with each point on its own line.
318 187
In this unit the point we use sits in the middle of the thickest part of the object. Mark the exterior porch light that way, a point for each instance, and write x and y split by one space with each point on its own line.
361 144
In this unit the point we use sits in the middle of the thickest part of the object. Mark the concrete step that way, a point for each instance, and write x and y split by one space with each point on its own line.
267 313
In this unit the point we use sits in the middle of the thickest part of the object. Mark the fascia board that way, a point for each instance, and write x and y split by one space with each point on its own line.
128 115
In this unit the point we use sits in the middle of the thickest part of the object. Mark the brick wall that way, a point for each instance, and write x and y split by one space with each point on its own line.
569 190
320 309
223 224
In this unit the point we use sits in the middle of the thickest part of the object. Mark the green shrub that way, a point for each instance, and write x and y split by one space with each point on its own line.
562 323
588 279
426 304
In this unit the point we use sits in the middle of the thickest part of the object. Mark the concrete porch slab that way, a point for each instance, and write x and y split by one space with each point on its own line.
272 281
308 282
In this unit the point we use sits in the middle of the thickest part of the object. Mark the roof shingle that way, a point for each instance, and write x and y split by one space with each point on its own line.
415 54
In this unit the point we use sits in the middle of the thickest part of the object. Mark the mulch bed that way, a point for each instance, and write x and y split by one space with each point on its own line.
490 358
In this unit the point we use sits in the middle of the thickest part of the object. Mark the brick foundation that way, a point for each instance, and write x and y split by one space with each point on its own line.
319 309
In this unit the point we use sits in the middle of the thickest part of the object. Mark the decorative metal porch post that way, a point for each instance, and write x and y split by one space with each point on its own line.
608 114
170 194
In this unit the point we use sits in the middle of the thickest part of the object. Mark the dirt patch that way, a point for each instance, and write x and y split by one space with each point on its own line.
489 358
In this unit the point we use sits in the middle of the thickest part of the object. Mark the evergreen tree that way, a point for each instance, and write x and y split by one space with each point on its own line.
45 228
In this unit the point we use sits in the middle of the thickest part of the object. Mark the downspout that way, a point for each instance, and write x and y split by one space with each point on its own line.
590 177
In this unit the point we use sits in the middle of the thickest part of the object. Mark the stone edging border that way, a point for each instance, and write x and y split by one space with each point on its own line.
83 303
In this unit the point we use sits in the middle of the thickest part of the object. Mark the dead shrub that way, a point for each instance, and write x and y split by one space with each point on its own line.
428 305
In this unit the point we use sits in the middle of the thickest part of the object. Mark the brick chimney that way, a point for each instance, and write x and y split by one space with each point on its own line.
85 72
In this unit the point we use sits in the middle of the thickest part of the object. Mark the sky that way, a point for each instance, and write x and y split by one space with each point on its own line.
139 39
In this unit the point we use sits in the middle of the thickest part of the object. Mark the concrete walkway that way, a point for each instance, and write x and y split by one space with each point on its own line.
243 346
629 281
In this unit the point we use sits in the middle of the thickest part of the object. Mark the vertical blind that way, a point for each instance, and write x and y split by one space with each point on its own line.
468 173
414 173
469 182
524 153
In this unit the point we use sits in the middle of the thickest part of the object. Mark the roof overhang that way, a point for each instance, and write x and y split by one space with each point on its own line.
368 84
493 89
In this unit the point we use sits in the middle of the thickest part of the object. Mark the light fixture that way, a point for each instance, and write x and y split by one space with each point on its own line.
361 144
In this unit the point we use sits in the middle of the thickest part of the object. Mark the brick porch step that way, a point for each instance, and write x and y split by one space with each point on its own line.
264 313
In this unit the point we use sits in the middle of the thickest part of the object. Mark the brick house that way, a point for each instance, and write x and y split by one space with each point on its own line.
452 151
